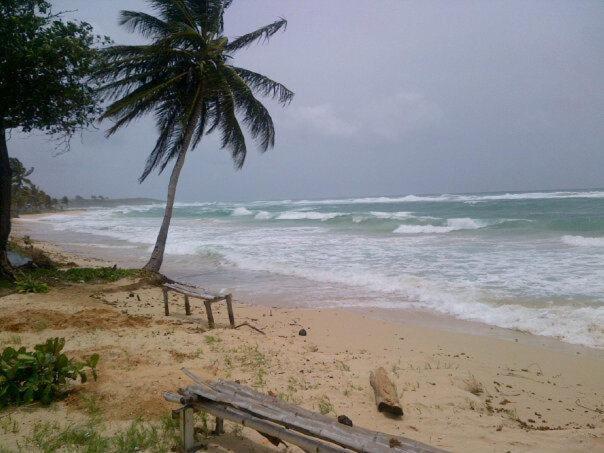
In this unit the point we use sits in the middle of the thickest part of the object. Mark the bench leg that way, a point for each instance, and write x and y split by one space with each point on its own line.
166 308
229 304
208 305
219 429
187 306
187 430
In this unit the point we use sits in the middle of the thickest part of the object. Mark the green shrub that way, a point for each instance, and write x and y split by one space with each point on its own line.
30 285
40 375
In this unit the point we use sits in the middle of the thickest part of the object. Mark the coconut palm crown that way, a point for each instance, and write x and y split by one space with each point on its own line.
185 76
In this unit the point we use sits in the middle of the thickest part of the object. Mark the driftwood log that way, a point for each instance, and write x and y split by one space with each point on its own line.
385 393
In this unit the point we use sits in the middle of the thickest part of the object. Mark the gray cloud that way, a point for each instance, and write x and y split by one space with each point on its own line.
392 97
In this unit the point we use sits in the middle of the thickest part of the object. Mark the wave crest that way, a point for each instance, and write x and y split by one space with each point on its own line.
452 225
582 241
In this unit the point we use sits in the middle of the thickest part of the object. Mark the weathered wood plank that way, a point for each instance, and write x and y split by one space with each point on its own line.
187 429
381 438
229 304
187 306
317 421
198 293
267 427
208 305
310 423
166 308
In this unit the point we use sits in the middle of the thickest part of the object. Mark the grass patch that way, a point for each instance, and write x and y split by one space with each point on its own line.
211 339
39 280
139 436
9 425
13 340
28 284
91 405
473 385
50 437
82 274
325 406
342 366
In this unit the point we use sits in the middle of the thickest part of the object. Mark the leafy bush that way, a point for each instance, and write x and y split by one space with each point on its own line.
30 285
40 375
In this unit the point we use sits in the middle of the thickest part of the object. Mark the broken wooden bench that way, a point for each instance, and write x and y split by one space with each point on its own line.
195 292
278 421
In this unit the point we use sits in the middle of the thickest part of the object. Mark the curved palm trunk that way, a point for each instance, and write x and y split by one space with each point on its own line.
6 270
157 256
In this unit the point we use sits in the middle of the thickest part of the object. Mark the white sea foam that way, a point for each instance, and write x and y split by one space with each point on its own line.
391 215
581 241
471 198
309 215
452 225
263 215
241 211
581 325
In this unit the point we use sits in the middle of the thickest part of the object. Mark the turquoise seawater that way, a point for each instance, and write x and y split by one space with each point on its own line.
531 261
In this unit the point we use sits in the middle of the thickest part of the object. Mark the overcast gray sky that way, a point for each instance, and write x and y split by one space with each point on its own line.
392 97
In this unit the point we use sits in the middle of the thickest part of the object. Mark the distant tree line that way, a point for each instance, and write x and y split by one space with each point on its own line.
25 195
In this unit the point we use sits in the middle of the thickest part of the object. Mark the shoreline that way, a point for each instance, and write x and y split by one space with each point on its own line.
531 396
116 251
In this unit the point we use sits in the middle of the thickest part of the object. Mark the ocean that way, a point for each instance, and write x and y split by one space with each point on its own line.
530 261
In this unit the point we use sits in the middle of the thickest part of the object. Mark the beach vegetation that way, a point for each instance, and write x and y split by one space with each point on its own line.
49 437
40 375
211 339
89 437
185 75
44 85
9 425
342 366
325 405
28 284
82 274
13 339
473 385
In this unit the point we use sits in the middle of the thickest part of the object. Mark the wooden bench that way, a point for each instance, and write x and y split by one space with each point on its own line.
277 420
198 293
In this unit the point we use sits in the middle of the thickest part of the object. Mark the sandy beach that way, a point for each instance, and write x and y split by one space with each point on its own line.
460 391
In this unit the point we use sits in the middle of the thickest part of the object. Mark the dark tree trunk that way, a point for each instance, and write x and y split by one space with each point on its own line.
6 270
157 256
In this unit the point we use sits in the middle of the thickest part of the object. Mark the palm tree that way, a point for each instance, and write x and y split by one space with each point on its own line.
185 76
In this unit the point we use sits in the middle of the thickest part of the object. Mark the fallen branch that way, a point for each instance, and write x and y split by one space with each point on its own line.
251 327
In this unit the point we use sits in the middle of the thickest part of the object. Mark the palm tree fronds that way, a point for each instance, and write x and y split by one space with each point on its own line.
266 86
256 116
145 24
263 33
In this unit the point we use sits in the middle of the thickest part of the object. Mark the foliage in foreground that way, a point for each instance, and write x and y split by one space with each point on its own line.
139 436
40 375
